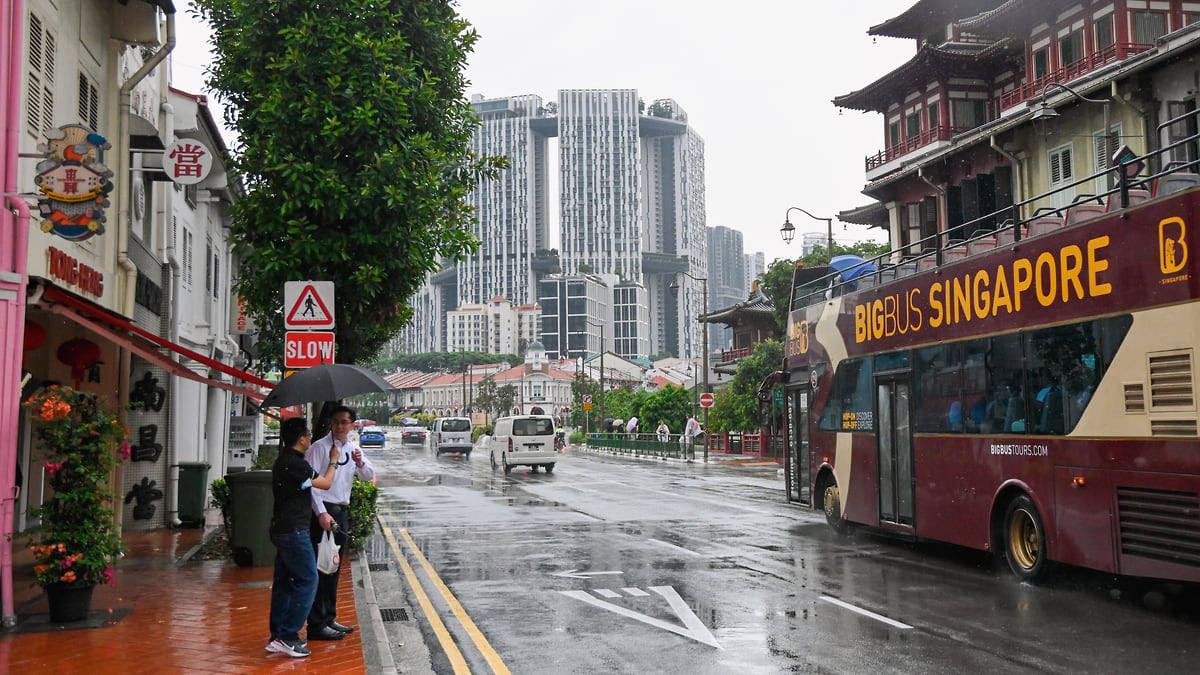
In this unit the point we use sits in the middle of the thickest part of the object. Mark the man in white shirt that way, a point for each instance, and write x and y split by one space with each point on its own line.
329 506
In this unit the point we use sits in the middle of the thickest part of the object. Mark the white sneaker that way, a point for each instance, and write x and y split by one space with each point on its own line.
293 649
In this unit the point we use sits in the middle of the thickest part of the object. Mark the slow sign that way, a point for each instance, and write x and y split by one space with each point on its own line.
305 350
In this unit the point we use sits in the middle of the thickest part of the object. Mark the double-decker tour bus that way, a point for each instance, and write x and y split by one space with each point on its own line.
1030 392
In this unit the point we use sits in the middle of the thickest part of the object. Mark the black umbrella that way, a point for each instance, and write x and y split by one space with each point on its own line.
326 382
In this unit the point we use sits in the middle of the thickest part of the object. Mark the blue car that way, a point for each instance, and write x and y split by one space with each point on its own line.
371 436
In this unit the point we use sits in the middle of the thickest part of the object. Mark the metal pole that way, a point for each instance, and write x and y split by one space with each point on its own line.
704 327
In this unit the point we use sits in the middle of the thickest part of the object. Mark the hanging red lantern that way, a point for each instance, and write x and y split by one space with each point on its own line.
35 335
80 354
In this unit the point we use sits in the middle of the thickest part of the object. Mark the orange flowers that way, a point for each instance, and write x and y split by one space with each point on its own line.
54 408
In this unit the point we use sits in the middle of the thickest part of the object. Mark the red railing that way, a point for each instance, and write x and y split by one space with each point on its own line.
760 444
1115 52
728 355
907 145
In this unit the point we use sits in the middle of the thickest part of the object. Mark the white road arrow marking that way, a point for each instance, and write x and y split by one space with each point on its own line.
572 574
864 612
692 626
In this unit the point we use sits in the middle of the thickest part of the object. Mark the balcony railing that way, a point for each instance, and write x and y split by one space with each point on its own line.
728 355
907 145
1110 54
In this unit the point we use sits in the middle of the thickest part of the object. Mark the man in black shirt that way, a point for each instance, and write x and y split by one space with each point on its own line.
295 584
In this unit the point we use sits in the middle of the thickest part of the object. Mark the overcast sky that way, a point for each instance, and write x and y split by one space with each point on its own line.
755 77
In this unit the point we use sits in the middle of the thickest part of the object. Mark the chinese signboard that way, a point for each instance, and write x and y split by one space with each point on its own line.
74 182
187 162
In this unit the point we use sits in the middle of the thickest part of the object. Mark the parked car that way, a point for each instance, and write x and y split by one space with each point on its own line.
451 434
371 435
413 435
527 439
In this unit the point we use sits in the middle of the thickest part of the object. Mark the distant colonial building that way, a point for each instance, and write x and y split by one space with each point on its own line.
495 327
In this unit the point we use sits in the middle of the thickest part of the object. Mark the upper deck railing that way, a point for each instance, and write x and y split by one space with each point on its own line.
945 247
1064 75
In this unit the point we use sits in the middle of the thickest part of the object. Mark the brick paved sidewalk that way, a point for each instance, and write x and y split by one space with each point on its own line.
166 617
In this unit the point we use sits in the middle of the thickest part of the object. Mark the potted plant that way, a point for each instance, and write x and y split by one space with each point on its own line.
77 544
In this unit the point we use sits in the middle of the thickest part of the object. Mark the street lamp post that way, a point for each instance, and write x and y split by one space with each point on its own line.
788 231
675 291
1045 113
603 348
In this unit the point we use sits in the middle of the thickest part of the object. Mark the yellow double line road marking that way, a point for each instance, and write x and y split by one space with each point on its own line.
439 628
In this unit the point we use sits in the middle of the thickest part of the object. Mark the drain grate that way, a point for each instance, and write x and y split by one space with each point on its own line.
378 567
391 615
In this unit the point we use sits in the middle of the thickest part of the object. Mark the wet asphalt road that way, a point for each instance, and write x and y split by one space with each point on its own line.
617 565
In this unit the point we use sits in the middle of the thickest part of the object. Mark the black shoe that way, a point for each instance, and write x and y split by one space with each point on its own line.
340 628
325 633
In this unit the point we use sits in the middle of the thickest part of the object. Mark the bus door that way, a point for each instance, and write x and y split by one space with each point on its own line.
798 461
893 398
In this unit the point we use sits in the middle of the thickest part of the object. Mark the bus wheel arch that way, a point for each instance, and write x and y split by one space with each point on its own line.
1019 534
828 498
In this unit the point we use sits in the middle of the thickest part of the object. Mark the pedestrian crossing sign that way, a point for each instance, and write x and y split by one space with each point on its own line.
308 304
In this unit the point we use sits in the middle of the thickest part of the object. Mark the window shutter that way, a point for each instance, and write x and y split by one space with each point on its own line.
39 105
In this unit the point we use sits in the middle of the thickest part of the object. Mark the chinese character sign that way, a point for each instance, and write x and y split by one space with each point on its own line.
74 182
187 162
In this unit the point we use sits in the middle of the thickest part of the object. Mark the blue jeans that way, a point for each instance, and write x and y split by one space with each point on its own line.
295 583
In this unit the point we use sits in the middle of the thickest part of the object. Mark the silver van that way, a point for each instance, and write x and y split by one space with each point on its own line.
526 439
451 434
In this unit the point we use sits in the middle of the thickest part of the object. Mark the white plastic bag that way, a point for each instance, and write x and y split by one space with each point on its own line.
328 559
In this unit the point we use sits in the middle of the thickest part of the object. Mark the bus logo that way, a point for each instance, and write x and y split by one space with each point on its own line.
1172 249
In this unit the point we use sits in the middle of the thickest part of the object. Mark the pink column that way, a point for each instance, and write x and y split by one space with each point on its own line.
14 249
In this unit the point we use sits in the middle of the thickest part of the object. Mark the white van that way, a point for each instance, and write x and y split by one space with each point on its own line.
451 434
526 439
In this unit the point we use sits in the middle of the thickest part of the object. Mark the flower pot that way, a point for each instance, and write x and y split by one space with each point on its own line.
69 603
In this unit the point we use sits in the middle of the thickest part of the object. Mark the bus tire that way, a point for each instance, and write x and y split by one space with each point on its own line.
831 499
1024 539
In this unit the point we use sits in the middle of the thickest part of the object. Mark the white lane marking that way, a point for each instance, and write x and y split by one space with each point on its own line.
673 546
692 626
606 593
636 592
864 612
574 574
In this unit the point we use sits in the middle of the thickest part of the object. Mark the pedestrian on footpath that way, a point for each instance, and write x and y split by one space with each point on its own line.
295 581
332 505
663 432
688 438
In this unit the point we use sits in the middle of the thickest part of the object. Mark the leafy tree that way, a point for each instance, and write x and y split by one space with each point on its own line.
506 396
354 148
670 404
486 398
580 387
776 284
736 407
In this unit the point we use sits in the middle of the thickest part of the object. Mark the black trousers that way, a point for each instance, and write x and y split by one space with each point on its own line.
324 607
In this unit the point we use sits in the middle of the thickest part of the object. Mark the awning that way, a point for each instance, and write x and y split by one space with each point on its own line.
144 343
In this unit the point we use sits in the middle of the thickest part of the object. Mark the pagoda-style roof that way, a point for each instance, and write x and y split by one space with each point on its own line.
926 16
1014 18
874 214
754 310
930 64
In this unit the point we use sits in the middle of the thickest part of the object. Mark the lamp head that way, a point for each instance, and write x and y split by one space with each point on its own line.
788 231
674 288
1044 113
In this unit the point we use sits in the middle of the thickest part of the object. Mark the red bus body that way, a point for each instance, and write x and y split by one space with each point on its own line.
1119 491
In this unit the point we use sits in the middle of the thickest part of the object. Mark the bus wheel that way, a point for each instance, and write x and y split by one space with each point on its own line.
833 508
1024 539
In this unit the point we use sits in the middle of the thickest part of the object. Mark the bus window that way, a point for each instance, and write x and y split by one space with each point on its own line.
1065 366
850 406
937 376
